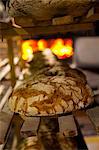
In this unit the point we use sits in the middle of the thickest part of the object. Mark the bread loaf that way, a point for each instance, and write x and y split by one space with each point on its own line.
50 95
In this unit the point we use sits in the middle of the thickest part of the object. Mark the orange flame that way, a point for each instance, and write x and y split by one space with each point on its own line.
27 50
42 44
62 50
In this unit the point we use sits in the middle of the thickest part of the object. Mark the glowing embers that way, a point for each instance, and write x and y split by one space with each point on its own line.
62 48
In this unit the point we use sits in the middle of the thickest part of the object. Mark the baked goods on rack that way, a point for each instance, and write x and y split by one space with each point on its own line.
49 95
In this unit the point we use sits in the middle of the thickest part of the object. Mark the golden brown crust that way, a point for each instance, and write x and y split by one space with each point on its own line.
50 95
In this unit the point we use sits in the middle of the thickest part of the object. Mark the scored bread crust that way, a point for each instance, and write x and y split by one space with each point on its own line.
50 96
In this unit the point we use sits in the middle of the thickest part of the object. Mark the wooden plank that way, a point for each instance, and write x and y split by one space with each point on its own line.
90 12
5 119
92 18
7 68
92 142
28 22
4 62
5 98
11 57
47 30
86 126
4 71
93 113
92 15
31 124
67 126
62 20
1 88
13 132
24 21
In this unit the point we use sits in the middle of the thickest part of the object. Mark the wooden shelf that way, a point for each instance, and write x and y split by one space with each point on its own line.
61 24
45 30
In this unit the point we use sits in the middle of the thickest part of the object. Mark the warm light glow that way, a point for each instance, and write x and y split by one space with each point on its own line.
61 50
69 42
27 50
27 54
42 44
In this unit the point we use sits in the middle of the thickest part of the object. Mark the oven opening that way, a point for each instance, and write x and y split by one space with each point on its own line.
62 48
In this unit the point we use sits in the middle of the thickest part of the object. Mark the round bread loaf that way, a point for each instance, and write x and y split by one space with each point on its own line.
50 96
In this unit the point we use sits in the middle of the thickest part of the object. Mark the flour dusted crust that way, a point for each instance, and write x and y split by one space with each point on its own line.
50 95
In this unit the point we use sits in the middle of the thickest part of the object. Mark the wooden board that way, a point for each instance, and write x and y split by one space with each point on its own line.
94 116
50 17
46 30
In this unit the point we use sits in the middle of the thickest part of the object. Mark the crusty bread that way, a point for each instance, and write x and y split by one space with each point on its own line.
50 95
